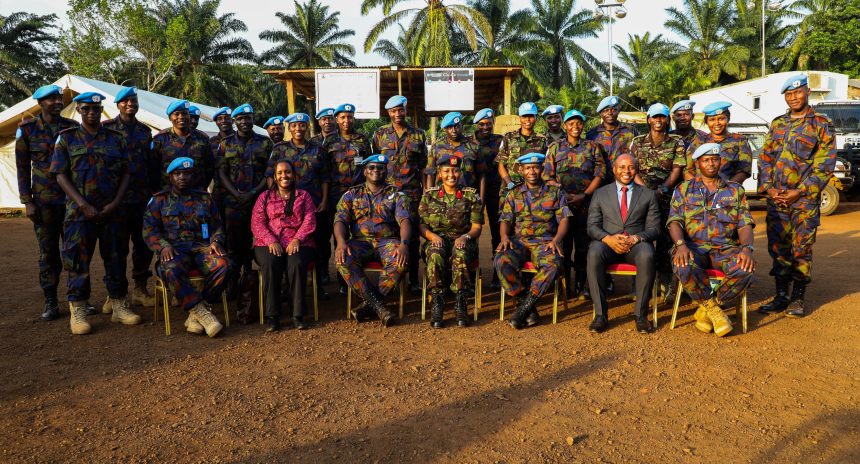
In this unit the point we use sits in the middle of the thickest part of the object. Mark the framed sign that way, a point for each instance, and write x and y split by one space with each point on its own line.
449 89
360 87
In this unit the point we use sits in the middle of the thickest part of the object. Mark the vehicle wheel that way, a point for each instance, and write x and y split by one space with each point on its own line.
829 200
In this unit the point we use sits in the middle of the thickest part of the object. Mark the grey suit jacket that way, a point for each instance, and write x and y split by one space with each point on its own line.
643 217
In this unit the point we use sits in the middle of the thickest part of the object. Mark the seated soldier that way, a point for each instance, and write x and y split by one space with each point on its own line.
376 214
451 218
712 228
183 227
533 222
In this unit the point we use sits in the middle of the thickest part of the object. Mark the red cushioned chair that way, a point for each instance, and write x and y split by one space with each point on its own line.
624 269
714 276
530 268
375 266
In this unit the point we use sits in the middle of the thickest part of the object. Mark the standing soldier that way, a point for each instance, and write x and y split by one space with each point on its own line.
471 167
181 141
43 199
224 122
488 152
345 150
517 143
451 220
736 156
796 162
682 114
138 138
577 166
194 113
328 126
243 157
91 165
274 126
661 158
534 222
312 174
552 115
406 149
611 134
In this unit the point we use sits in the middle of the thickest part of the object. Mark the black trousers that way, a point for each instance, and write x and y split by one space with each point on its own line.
141 255
322 239
576 243
492 204
274 269
600 256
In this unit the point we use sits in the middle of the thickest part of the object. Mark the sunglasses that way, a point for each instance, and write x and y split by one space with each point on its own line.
375 168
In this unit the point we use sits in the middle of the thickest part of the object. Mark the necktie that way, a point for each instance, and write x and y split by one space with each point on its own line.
624 203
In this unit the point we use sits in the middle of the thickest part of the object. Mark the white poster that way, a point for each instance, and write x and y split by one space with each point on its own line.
359 87
449 89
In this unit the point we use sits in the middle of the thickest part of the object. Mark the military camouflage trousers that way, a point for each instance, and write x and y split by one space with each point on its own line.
438 260
49 233
694 277
509 262
176 272
362 252
79 245
790 236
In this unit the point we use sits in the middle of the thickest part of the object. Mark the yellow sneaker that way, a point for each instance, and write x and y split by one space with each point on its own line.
122 313
78 318
703 323
722 324
192 326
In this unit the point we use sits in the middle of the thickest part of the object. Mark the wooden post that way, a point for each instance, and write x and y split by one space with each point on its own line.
291 96
507 94
399 83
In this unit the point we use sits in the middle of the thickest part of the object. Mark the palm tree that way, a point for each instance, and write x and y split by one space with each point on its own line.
310 38
27 51
746 31
510 35
433 27
794 56
641 52
399 52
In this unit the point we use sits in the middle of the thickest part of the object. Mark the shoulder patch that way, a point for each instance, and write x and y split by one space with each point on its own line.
18 133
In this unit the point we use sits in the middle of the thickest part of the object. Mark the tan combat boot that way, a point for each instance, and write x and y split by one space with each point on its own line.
141 296
721 323
203 316
78 318
703 322
122 313
107 308
192 326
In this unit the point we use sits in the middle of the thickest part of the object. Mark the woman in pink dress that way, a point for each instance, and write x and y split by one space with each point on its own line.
283 223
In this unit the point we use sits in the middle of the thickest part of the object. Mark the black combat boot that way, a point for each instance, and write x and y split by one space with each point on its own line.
52 309
460 308
795 307
361 313
437 308
780 300
245 299
518 320
375 301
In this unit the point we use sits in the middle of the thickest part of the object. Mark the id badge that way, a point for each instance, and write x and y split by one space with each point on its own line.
205 231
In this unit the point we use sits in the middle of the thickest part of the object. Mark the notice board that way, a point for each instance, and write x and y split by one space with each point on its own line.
449 89
360 87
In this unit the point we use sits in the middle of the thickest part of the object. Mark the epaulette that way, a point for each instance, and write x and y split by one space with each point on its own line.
68 129
163 192
26 122
115 131
470 189
674 136
432 189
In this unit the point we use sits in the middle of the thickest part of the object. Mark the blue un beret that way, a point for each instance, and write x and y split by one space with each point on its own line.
658 109
716 108
324 112
297 117
193 110
223 110
126 92
180 163
608 102
273 121
344 108
89 97
46 91
574 114
177 105
374 159
531 158
451 119
683 105
707 149
483 114
395 101
552 109
244 108
528 109
449 159
794 82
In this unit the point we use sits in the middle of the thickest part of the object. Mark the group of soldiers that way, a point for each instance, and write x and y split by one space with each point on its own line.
111 182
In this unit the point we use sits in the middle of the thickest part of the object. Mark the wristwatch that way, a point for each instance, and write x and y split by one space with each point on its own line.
679 242
404 242
752 250
510 185
466 236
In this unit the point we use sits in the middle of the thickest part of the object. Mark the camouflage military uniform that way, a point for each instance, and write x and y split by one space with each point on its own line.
138 138
552 138
488 151
319 139
514 145
534 217
450 217
688 139
188 223
735 155
471 167
655 166
95 165
218 192
343 154
374 224
797 154
711 221
573 168
613 142
167 146
34 147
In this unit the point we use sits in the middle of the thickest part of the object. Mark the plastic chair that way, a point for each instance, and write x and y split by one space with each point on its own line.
530 268
375 266
196 278
624 269
473 266
714 275
313 272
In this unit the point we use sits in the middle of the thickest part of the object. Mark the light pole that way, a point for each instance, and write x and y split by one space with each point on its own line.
771 6
612 9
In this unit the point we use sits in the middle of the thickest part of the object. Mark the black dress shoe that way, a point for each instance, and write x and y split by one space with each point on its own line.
91 310
52 310
273 324
598 324
299 323
643 326
533 319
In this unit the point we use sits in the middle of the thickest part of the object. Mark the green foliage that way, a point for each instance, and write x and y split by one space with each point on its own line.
27 54
310 38
833 43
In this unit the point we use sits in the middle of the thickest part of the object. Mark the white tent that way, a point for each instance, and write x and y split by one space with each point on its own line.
151 113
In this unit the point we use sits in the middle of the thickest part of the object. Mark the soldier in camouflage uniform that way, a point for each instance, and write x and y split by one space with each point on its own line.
181 141
183 227
327 123
682 116
517 143
376 215
138 138
274 126
577 166
91 165
472 168
488 151
712 228
796 162
243 157
406 149
661 158
534 220
451 220
736 156
612 135
43 199
552 115
224 121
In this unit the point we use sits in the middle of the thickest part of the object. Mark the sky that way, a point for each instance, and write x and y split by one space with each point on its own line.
259 15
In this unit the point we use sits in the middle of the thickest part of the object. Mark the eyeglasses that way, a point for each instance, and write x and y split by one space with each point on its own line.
375 168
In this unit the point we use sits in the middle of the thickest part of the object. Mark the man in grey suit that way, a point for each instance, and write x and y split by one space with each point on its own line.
623 221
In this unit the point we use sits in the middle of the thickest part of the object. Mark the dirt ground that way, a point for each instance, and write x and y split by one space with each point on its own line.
787 391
